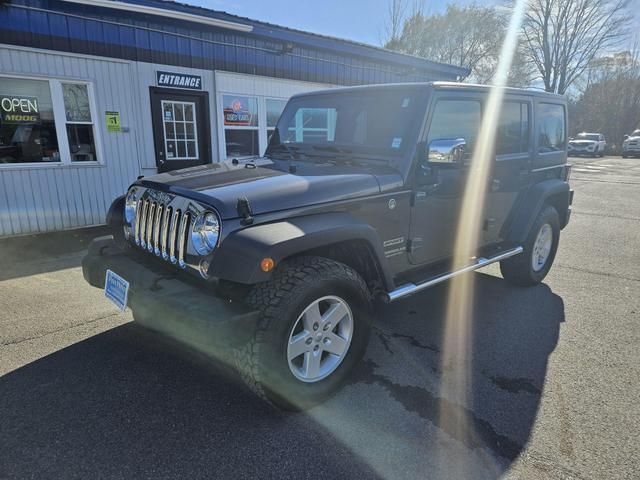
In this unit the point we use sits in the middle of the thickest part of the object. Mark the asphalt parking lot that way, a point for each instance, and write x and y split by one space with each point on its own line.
554 389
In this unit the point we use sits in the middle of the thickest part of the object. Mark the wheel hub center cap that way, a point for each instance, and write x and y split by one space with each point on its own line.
320 338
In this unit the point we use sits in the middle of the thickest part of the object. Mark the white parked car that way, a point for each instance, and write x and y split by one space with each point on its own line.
631 145
592 144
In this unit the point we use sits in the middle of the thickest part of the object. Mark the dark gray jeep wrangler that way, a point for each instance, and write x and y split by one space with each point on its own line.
274 263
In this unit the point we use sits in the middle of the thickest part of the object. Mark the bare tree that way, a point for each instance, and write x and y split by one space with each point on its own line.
562 37
468 36
396 12
610 101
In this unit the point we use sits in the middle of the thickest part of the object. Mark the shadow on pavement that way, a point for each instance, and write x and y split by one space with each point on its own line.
128 403
32 254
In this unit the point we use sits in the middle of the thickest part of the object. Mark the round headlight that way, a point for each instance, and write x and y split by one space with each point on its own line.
205 233
130 204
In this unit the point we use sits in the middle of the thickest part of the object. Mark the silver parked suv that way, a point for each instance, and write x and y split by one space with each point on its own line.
631 145
590 144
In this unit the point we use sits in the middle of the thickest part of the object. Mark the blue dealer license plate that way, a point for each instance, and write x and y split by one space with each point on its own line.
116 289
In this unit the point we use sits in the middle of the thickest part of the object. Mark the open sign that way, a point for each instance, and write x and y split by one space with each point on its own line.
19 109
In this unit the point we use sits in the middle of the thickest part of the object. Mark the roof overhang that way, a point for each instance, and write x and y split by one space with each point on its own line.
161 12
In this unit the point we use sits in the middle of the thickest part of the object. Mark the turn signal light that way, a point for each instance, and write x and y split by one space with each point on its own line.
267 264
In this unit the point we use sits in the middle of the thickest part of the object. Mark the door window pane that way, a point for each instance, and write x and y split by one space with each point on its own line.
180 124
170 131
552 128
456 119
240 110
189 130
188 113
513 129
76 102
167 111
182 150
177 111
27 127
191 149
171 150
274 109
240 143
180 131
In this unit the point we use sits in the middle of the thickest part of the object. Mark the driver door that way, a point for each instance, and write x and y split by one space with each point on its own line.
437 197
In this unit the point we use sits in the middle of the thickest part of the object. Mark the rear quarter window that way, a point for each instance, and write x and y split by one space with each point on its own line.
551 128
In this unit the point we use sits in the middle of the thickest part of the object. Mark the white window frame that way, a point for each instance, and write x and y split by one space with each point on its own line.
60 120
184 122
262 128
265 134
261 121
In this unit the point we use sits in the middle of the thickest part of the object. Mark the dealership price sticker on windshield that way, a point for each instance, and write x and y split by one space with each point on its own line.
116 289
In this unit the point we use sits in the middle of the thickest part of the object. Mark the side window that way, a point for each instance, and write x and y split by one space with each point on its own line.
513 129
456 119
551 137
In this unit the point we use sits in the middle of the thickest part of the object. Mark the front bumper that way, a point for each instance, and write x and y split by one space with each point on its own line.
577 153
165 300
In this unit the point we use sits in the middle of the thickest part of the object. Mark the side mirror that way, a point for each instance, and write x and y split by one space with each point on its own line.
447 150
625 136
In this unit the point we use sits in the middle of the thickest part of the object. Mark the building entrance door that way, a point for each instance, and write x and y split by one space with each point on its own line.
181 130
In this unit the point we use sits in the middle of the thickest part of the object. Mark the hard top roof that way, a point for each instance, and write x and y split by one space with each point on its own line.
439 85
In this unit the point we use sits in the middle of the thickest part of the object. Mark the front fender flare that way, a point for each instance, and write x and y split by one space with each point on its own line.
238 257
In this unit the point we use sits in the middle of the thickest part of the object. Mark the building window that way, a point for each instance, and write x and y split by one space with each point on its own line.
274 108
82 146
27 126
240 125
180 130
46 122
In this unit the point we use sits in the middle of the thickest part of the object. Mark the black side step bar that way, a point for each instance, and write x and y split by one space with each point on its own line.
411 288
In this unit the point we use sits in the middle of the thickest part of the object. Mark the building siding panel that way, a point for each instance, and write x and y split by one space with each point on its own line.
47 198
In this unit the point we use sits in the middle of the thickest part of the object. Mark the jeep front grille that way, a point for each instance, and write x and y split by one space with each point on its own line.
162 229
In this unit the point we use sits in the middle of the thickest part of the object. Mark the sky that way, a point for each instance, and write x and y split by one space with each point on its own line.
359 20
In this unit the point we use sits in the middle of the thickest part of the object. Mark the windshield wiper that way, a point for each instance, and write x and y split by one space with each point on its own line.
346 155
289 150
332 148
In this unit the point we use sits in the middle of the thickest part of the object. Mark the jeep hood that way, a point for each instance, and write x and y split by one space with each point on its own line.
270 187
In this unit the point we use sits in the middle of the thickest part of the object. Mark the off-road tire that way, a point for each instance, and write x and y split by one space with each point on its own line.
262 362
518 270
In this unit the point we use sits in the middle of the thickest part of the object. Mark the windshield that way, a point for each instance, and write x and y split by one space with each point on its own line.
376 122
589 136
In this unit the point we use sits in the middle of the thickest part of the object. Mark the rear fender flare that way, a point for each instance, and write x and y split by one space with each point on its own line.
530 204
